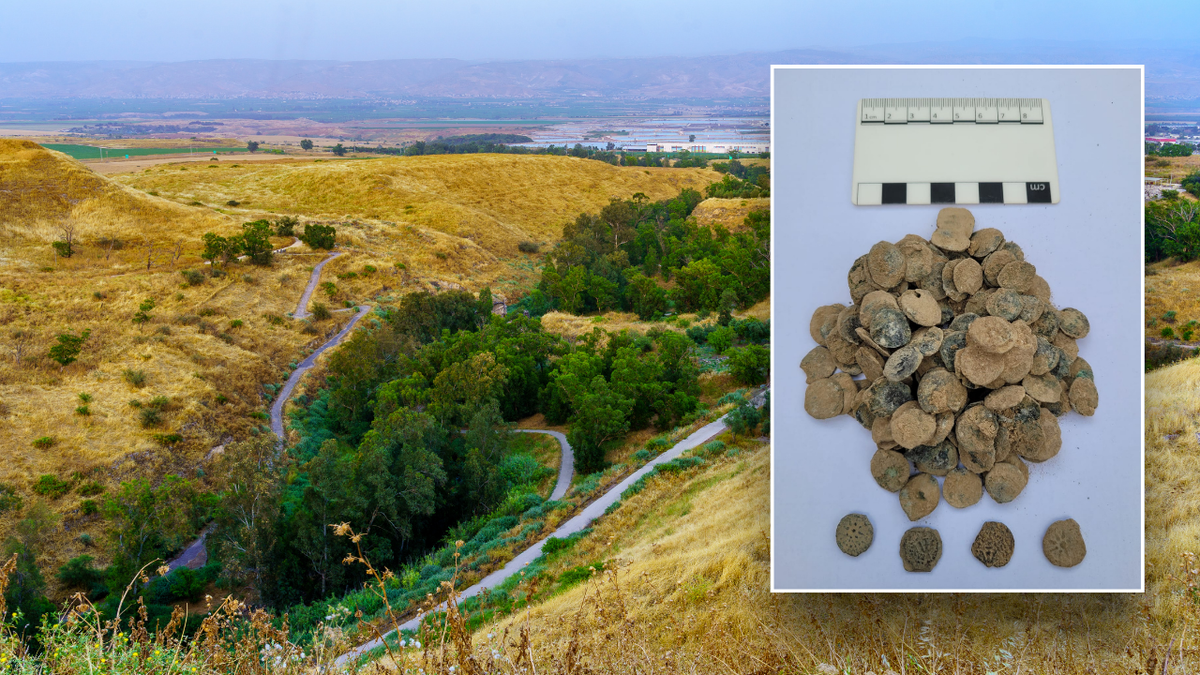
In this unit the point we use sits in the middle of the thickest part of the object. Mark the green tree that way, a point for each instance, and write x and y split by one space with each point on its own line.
68 348
485 305
306 144
142 316
1174 150
726 304
646 298
252 146
250 479
743 419
330 497
338 150
602 415
721 339
26 586
256 241
749 365
148 522
215 248
571 288
319 236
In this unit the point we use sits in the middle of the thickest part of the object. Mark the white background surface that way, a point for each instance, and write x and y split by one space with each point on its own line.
1088 247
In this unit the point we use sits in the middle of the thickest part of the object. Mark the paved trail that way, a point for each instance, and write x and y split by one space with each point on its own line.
579 522
566 468
305 365
197 548
302 308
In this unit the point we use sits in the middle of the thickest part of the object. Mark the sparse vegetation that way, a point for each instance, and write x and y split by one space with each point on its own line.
51 486
43 442
134 377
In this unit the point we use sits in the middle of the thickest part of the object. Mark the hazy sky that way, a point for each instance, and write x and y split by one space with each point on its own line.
170 30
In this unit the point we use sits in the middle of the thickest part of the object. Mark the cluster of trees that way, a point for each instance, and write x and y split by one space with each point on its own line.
751 174
499 143
412 437
1172 229
1169 150
622 257
254 242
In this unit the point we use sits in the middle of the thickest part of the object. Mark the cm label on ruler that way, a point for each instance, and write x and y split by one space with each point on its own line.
954 151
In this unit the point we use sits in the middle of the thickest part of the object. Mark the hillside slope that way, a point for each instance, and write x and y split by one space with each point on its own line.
677 579
210 355
40 189
493 201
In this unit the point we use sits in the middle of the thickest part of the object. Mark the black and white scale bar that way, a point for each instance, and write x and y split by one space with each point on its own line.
874 194
954 151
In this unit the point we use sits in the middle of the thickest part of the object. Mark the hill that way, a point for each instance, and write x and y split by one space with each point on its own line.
676 580
210 355
728 212
40 189
494 201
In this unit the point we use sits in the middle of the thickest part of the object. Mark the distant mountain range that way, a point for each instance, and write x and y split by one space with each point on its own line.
1172 74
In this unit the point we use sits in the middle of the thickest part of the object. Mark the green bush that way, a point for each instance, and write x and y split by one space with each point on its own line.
749 365
1187 335
1169 317
528 247
83 410
85 397
193 277
43 442
236 323
51 486
150 417
320 312
1167 332
9 499
90 489
135 377
319 236
80 572
89 507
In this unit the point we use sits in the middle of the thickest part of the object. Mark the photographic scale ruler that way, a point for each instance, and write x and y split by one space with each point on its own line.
954 151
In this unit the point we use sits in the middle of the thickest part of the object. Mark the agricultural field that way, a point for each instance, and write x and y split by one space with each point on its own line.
114 150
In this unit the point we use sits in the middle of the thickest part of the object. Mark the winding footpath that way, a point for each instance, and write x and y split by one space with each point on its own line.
304 367
566 468
196 551
302 307
581 520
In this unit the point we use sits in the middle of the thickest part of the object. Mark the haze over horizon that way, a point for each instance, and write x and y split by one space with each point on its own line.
365 30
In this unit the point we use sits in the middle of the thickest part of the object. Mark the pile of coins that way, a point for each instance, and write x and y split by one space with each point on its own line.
966 368
967 365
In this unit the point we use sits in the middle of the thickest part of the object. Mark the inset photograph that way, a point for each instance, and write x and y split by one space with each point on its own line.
957 371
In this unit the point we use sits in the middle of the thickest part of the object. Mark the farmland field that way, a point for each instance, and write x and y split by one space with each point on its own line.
93 152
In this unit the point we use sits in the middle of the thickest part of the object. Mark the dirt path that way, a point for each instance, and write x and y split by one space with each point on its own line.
305 365
302 307
566 468
580 521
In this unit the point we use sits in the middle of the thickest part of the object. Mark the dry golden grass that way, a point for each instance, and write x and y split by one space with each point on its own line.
41 189
211 372
493 201
685 589
728 212
1172 288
